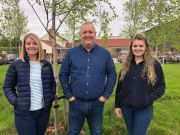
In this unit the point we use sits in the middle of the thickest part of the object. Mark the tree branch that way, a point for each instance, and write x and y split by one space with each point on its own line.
61 13
59 2
61 21
38 16
47 15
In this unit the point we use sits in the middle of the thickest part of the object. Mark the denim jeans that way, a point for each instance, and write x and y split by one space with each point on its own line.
81 110
137 121
35 124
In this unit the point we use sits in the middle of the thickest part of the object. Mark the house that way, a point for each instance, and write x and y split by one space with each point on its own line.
62 46
119 47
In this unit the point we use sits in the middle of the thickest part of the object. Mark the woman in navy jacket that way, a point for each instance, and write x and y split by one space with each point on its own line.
141 82
30 87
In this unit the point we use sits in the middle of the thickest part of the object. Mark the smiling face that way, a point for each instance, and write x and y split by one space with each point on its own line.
88 35
138 48
31 47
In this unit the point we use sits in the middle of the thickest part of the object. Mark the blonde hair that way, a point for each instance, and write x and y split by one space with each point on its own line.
37 40
148 59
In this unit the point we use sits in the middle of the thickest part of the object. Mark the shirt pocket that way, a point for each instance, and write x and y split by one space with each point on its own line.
99 66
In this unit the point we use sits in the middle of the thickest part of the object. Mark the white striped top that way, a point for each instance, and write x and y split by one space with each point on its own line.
36 86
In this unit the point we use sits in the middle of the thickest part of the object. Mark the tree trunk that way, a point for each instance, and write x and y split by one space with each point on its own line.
65 114
156 52
19 49
74 32
53 35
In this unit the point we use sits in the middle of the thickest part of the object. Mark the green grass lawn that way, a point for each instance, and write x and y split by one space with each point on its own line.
166 120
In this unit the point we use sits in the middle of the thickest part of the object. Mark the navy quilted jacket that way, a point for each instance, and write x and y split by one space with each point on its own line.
17 86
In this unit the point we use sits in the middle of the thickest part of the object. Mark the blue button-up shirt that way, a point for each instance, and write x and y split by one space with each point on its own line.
87 75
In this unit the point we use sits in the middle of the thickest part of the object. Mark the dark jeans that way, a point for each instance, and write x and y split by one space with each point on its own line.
35 124
137 121
80 110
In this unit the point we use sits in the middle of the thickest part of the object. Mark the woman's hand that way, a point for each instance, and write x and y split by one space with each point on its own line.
118 112
71 99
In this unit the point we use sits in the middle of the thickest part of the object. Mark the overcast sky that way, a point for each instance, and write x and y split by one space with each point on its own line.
35 26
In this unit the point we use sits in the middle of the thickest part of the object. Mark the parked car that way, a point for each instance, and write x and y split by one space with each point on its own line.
121 58
11 57
177 59
162 58
59 61
3 59
169 59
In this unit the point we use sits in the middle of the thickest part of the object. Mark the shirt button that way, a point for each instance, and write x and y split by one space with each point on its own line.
134 77
86 92
87 84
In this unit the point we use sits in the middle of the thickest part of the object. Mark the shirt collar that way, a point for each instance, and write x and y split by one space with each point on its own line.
140 63
93 48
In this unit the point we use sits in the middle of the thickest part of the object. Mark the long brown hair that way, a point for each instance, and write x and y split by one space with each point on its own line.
37 40
149 60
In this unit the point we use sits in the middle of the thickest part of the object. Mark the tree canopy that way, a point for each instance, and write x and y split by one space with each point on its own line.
158 18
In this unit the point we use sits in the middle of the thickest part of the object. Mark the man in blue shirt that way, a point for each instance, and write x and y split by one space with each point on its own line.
87 77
